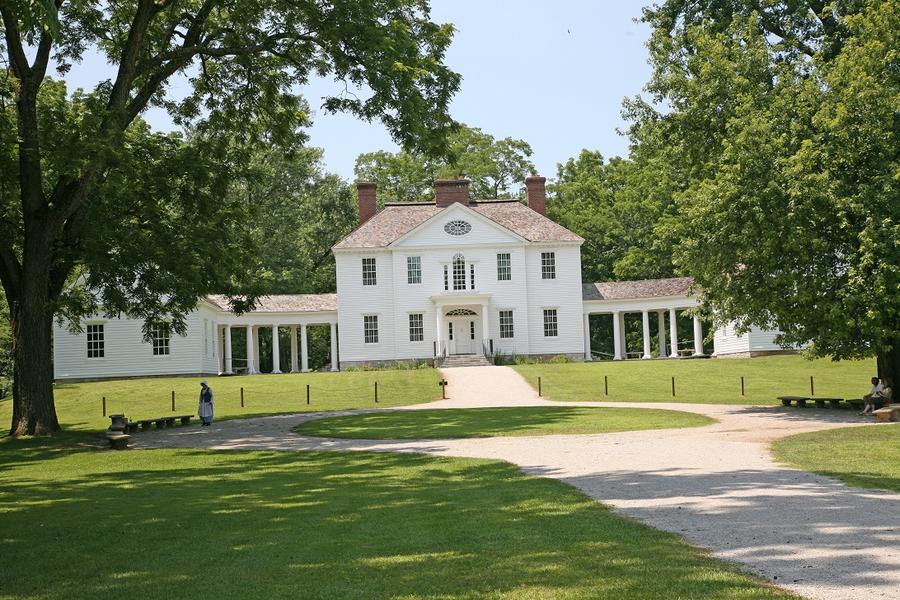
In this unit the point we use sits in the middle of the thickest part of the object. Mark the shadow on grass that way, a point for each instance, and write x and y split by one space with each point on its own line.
326 525
487 422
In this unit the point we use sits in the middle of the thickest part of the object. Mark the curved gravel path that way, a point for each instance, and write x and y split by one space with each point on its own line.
718 486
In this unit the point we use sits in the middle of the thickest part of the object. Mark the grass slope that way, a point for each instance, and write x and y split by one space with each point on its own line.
861 456
189 524
714 381
78 405
488 422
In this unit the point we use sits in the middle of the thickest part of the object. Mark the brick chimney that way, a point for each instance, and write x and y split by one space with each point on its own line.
448 191
366 192
536 193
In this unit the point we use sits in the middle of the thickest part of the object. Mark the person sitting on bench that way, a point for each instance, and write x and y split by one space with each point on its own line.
881 397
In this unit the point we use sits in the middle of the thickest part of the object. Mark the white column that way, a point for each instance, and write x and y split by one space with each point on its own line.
294 366
439 325
698 336
485 327
662 333
304 351
250 365
645 316
624 339
587 337
334 347
228 365
257 363
617 336
673 332
276 350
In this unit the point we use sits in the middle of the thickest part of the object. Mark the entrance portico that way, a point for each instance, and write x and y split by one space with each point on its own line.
462 324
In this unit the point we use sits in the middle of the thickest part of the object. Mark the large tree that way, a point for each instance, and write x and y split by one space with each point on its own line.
779 121
74 164
615 206
496 168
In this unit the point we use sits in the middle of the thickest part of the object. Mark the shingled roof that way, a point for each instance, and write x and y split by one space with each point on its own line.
285 302
396 220
643 288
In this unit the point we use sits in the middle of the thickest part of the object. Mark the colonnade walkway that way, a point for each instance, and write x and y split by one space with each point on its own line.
718 486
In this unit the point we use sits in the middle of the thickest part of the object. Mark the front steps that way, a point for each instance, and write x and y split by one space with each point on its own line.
465 360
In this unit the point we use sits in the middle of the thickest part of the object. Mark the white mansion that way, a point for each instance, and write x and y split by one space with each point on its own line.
418 281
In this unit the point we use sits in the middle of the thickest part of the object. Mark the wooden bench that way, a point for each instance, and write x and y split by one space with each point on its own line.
888 413
161 422
832 402
800 400
118 441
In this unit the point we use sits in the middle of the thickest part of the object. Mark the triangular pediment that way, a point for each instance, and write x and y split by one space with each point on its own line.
457 225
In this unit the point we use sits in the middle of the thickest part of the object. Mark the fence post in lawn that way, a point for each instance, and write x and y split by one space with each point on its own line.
539 387
307 393
376 392
742 385
812 387
673 386
242 397
173 400
605 386
104 406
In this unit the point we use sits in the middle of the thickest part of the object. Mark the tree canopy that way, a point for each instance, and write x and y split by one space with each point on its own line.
496 168
778 121
91 195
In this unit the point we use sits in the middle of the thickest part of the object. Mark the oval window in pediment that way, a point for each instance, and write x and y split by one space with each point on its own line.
457 227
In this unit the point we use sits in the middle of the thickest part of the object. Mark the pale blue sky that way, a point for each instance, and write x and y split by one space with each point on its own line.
553 73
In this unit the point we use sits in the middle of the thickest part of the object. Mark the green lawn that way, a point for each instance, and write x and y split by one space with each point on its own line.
192 524
488 422
861 456
79 407
715 381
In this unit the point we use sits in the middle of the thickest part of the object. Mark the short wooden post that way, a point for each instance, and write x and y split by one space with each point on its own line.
673 387
307 393
173 400
376 392
443 384
605 386
742 385
540 393
104 406
812 386
242 397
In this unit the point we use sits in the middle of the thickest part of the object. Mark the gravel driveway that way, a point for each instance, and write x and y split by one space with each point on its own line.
718 486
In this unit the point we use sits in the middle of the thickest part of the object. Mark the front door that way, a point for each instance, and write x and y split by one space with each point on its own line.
462 336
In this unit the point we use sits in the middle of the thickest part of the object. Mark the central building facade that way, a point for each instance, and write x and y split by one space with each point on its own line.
458 277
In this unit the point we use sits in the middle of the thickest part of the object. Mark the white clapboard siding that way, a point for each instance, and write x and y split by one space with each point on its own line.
126 354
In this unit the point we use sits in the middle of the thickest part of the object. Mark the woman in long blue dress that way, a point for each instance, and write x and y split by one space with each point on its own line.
205 408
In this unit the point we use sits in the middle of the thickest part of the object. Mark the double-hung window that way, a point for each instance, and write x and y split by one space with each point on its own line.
551 326
413 269
459 272
95 341
368 272
548 265
504 267
159 336
370 329
416 328
506 324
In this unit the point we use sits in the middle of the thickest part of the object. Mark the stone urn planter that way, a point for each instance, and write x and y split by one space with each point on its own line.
118 423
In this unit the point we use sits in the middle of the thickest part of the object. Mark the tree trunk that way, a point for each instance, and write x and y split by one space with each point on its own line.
889 362
34 412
